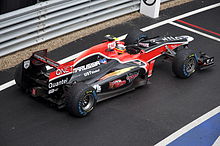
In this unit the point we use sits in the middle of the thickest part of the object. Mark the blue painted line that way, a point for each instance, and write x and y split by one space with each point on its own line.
204 134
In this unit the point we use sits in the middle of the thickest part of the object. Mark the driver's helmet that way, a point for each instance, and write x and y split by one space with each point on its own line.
120 48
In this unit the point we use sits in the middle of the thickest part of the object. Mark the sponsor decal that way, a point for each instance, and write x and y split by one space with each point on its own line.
117 72
131 76
26 64
144 44
103 61
170 38
116 83
97 87
52 85
52 91
91 72
112 45
71 69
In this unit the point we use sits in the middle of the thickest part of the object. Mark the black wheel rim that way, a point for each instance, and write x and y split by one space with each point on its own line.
87 102
190 65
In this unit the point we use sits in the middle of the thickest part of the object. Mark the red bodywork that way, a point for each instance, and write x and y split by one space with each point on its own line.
147 57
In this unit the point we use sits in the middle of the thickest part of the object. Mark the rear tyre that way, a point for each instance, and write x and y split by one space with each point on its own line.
184 63
80 99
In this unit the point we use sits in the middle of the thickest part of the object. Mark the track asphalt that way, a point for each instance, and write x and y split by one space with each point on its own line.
142 117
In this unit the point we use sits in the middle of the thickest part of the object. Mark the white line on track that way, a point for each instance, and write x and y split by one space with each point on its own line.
7 85
11 83
217 142
195 31
188 127
180 17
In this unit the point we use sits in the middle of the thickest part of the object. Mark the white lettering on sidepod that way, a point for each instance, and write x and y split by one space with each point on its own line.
52 85
78 69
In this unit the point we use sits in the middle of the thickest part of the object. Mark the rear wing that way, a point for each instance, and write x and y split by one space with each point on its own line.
41 57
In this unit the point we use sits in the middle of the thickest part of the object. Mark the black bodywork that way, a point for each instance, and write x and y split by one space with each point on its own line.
109 77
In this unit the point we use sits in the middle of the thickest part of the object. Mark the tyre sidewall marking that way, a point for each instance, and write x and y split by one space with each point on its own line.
83 112
187 74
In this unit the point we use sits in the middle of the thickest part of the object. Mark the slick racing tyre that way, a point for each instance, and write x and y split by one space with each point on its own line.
20 81
80 99
184 63
134 36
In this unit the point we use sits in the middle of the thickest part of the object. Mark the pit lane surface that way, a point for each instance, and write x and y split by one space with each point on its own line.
142 117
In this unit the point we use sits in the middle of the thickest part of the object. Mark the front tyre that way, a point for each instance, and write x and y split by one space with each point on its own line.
80 99
134 36
184 63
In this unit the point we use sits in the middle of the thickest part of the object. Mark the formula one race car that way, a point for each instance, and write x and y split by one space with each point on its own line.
105 70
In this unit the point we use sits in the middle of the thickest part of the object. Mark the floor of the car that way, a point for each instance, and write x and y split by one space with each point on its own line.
137 83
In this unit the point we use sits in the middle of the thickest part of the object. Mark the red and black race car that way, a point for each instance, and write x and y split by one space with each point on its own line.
105 70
